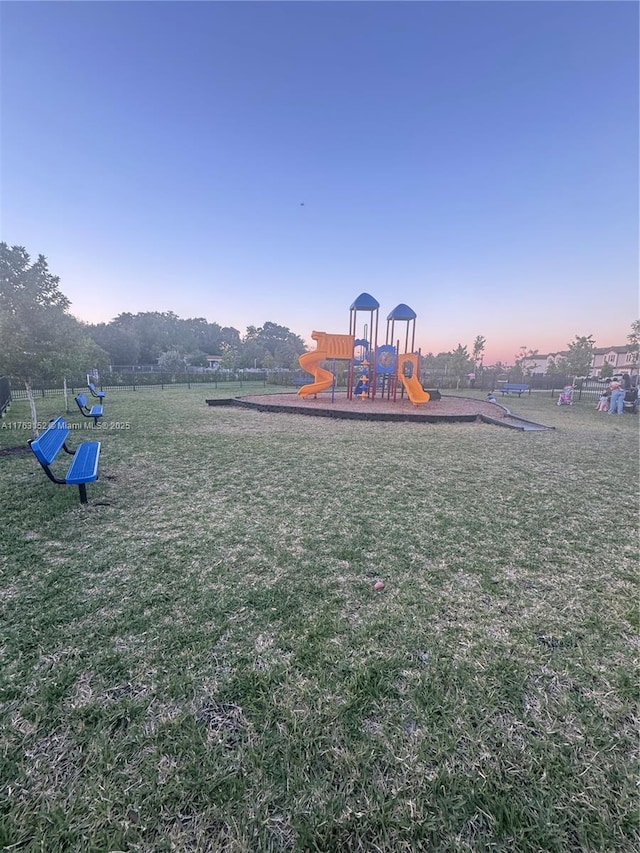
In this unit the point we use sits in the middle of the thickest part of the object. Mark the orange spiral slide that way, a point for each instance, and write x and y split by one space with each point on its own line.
329 346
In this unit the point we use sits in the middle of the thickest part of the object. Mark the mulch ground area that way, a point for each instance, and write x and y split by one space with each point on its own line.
447 408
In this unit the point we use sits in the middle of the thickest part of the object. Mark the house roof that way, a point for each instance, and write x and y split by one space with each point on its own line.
603 350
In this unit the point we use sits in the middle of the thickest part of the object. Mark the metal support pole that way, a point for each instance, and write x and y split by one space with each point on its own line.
333 387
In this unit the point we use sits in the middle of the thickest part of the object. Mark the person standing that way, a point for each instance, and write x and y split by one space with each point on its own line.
616 403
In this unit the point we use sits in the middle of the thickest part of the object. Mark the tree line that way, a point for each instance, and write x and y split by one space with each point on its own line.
153 337
41 341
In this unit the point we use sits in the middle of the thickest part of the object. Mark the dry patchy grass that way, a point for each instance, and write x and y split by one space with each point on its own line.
197 659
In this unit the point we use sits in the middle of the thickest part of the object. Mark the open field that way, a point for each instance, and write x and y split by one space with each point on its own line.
197 660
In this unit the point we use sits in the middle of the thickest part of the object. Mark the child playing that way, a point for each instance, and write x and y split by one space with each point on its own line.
603 402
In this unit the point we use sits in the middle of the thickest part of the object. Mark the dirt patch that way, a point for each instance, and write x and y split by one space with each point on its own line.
15 451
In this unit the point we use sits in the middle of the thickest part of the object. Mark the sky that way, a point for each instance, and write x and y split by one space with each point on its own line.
268 162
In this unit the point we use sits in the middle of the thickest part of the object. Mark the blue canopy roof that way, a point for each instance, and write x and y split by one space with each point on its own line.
365 302
402 312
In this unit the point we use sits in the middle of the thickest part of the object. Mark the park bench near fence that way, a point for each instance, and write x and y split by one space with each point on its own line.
84 464
94 412
513 388
94 391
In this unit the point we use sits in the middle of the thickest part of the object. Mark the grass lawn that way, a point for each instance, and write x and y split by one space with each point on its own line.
197 660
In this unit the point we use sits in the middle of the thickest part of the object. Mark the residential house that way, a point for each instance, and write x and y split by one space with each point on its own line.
621 359
539 364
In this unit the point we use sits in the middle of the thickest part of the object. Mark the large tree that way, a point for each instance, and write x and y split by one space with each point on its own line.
555 366
436 362
271 345
172 361
606 371
460 364
579 356
155 331
121 344
141 338
524 363
39 339
478 351
634 343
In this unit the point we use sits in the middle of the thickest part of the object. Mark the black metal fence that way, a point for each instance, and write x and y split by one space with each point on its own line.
142 382
590 390
584 389
5 394
491 380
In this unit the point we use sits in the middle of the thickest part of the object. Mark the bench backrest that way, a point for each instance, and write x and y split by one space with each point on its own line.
81 400
91 386
47 446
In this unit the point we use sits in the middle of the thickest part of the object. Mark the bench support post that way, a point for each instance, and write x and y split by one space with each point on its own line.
82 488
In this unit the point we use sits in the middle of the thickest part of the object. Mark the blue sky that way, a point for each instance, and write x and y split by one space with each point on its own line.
252 162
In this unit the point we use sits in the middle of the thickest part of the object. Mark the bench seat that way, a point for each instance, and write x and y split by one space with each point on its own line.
514 388
84 465
95 393
85 458
94 411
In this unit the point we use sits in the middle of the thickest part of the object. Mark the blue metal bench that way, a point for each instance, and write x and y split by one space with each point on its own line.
513 388
94 412
94 391
84 465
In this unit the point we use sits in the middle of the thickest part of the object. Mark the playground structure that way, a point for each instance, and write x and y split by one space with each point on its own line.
373 371
327 347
